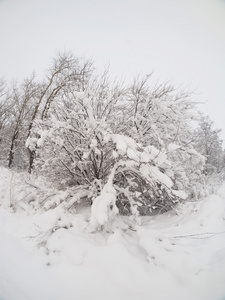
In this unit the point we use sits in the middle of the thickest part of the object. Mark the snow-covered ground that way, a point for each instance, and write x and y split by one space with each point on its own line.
172 256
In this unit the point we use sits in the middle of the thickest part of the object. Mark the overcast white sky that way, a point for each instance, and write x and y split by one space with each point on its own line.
182 40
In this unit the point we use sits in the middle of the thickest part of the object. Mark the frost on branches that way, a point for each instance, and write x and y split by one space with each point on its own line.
132 150
120 174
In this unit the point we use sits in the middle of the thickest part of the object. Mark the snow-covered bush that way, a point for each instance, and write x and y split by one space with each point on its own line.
120 174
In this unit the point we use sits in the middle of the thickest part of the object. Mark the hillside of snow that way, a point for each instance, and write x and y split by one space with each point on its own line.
52 255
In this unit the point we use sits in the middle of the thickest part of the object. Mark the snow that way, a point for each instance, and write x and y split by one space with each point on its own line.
44 135
149 172
172 147
161 177
180 194
52 254
105 204
150 153
126 145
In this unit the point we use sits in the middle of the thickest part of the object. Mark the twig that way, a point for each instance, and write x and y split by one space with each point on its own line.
198 235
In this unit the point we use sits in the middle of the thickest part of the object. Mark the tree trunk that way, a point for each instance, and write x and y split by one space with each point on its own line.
31 159
11 151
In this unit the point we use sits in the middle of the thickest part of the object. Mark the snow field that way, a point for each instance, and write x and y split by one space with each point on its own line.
53 254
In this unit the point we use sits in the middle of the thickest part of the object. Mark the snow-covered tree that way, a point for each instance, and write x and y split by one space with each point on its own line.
6 106
209 144
66 73
122 149
23 99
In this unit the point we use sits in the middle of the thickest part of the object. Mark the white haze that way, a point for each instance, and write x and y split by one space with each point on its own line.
182 41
